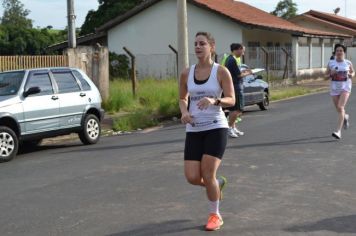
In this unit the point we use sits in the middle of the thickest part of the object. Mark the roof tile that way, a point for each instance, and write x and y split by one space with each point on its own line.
250 15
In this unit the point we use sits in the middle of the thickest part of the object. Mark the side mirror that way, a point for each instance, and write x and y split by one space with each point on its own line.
259 77
32 90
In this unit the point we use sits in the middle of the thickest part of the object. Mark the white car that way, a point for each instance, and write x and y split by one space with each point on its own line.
47 102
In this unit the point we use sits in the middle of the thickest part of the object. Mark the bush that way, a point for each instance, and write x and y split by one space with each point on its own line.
119 66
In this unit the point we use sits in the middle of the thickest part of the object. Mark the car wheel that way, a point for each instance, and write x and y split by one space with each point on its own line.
91 129
264 104
9 144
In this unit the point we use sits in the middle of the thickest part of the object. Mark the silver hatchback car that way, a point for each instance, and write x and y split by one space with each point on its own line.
42 103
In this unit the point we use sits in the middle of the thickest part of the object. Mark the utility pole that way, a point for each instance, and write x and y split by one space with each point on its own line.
182 35
71 24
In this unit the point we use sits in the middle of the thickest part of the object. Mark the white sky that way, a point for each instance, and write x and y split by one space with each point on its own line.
53 12
306 5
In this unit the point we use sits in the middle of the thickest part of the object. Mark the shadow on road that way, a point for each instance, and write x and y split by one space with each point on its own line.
321 139
342 224
30 149
124 146
167 227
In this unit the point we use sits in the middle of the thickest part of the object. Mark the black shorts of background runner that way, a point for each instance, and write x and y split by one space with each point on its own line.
239 100
210 142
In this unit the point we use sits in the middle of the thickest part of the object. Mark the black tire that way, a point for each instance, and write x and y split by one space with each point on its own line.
265 103
91 129
9 144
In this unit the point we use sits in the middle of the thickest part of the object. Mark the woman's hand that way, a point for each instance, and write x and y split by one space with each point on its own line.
333 72
205 102
186 118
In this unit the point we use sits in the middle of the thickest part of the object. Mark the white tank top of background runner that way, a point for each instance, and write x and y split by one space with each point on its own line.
213 117
340 81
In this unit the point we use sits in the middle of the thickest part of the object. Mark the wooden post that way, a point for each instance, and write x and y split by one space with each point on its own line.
182 35
133 70
175 52
267 62
286 65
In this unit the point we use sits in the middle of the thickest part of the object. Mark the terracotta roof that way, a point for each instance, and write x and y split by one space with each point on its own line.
332 18
346 29
237 11
247 14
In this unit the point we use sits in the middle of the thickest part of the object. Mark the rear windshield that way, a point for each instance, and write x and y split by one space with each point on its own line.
10 82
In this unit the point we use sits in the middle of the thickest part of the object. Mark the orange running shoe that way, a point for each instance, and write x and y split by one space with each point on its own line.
214 222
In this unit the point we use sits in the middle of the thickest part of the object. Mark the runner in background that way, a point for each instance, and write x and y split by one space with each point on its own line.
340 71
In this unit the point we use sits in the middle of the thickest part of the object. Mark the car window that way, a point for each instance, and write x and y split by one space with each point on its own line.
66 82
80 77
41 80
10 82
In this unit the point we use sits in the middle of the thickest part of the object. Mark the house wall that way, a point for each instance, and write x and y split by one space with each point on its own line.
148 34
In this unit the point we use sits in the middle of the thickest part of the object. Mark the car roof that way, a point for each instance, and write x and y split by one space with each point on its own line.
42 68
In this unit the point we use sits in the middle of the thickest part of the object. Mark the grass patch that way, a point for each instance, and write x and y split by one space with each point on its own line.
155 100
136 120
288 92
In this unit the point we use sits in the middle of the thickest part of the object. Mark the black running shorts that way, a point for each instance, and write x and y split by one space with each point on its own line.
210 142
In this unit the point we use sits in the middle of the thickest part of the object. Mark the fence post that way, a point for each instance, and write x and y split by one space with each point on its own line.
286 66
175 52
133 70
267 63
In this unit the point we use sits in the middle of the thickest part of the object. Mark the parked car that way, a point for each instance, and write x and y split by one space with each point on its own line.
256 90
42 103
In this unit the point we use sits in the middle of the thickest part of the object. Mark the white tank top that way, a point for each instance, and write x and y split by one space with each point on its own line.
340 81
213 117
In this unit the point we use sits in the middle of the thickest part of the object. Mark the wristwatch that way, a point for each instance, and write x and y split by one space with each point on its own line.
217 102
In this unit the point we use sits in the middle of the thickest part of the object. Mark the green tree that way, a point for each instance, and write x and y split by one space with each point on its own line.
15 14
285 9
18 37
108 9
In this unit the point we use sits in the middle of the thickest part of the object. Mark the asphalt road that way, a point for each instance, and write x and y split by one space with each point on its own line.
287 176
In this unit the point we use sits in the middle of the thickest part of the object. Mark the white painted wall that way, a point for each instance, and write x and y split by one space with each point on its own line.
149 33
351 55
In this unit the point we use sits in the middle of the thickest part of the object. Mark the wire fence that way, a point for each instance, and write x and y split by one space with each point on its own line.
278 60
29 62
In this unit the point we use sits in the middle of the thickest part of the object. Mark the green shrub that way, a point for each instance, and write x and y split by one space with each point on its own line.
118 66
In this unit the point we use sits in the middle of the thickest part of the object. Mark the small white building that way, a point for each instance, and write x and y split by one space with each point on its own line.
150 28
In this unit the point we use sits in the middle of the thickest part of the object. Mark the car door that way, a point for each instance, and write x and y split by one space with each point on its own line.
257 94
72 100
41 110
248 89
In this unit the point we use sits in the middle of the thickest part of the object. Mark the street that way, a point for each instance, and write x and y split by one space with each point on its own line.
286 176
